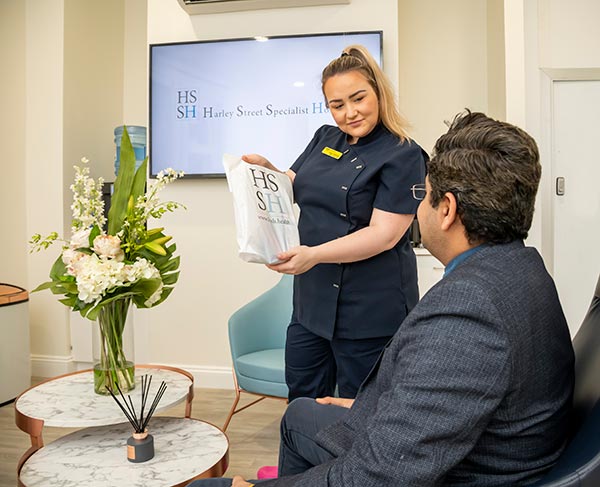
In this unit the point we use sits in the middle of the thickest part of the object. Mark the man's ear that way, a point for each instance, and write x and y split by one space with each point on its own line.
448 208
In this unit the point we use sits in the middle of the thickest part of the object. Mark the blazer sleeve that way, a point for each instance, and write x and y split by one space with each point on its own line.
450 373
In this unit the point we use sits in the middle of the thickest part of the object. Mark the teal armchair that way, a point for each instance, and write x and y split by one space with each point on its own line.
257 333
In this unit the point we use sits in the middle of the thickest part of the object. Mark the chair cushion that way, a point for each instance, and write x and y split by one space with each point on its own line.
268 365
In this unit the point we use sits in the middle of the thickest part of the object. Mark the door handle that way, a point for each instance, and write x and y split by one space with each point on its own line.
560 186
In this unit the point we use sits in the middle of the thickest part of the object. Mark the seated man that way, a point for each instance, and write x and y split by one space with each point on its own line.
475 387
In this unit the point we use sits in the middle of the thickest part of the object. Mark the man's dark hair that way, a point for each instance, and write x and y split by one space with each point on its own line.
493 170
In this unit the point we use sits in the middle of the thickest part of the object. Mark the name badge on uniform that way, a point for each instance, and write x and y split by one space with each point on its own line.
328 151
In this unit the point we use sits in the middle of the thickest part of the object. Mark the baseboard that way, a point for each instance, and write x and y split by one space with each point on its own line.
210 377
51 365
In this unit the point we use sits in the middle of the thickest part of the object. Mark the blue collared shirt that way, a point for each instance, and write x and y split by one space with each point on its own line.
460 258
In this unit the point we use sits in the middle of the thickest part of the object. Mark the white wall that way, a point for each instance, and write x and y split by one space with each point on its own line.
443 62
13 203
569 34
44 169
93 85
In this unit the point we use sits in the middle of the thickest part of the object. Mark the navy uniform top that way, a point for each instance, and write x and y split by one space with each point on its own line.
369 298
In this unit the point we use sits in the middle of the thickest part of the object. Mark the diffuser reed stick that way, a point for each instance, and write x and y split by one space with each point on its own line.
139 421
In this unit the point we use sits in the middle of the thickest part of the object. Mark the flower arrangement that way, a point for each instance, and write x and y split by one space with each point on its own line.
101 272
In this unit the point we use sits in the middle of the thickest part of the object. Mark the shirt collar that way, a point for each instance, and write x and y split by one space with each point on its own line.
460 258
373 134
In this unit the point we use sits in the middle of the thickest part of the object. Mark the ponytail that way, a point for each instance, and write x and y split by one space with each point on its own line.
358 58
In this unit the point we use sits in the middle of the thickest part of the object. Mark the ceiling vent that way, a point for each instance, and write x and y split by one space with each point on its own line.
194 7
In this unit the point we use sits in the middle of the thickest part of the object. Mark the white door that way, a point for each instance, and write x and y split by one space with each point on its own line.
576 158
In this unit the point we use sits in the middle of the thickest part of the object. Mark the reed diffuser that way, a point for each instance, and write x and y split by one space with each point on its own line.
140 445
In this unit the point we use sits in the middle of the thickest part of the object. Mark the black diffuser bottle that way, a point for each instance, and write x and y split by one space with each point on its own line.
140 445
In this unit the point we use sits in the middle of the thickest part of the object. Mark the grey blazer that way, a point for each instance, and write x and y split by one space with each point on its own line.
474 389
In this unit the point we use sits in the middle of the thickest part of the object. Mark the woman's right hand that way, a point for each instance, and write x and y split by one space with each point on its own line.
258 160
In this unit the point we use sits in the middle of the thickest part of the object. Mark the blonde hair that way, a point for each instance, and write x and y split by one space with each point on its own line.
358 58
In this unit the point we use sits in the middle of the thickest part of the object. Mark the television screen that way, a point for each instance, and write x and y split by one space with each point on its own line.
240 96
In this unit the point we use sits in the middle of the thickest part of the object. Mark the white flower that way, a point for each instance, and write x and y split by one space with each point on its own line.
88 205
145 269
68 255
80 238
70 258
109 246
96 277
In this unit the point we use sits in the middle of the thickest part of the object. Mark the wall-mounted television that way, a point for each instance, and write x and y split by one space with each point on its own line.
257 95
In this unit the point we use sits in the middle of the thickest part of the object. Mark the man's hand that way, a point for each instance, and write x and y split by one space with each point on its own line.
238 481
336 401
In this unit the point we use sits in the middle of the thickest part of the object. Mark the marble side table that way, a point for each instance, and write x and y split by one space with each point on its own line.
70 401
185 450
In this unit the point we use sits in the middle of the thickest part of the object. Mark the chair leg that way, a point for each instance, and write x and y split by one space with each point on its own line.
238 391
235 402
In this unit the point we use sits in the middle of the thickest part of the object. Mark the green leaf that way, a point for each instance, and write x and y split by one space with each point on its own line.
66 288
91 314
58 269
147 287
93 234
139 181
165 294
140 301
57 289
45 285
171 266
70 302
123 185
170 279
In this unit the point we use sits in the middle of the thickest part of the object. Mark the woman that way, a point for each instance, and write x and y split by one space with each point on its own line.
356 276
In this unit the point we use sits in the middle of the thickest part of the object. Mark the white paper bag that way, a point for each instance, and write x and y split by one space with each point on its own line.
263 207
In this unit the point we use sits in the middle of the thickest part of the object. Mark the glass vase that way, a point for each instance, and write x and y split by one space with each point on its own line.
113 371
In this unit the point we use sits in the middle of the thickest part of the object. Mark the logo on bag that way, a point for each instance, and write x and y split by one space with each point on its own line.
267 199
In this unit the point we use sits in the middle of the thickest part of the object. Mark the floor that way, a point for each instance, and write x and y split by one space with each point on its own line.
253 433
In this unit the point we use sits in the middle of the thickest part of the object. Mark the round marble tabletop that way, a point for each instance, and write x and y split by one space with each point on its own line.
185 449
70 401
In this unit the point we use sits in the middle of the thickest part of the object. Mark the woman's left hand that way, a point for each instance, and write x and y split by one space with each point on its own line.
239 481
296 260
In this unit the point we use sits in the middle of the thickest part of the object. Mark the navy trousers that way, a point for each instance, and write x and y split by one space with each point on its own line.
298 450
303 419
314 365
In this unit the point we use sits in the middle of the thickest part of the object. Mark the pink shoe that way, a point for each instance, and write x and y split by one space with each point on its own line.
267 472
